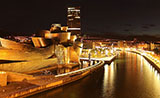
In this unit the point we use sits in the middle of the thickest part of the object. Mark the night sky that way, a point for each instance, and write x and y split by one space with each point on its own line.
129 17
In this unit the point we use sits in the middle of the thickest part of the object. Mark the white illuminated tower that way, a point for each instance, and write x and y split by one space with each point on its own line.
73 20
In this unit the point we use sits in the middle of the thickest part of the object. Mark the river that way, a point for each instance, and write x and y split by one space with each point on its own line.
129 76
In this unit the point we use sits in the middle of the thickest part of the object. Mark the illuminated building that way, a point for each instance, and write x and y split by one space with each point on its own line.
142 46
48 47
73 20
55 28
120 44
150 46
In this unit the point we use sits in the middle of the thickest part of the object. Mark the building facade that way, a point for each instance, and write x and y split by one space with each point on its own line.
73 20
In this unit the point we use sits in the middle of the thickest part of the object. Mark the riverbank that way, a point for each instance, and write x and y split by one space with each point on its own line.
129 76
107 60
42 83
153 61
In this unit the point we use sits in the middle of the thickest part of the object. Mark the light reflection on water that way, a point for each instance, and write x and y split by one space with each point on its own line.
108 82
129 76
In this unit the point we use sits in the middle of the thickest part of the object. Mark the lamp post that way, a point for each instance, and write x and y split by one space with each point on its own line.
89 58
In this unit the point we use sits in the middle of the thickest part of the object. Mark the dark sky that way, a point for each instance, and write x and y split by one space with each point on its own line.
98 16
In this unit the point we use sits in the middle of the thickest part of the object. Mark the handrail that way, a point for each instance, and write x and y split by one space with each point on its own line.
80 70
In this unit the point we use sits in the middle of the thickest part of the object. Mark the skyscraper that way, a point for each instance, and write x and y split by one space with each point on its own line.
73 20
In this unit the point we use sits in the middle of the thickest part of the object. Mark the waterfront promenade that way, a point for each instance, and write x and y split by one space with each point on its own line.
45 82
130 75
149 56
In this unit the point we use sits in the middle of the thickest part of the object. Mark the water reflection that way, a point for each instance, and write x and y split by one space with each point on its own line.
132 77
129 76
108 82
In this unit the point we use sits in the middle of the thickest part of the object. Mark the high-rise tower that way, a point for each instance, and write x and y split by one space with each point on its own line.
73 20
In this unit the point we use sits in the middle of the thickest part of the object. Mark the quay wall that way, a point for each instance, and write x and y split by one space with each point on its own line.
61 79
153 63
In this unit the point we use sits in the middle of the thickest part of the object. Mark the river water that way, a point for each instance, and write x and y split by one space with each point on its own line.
129 76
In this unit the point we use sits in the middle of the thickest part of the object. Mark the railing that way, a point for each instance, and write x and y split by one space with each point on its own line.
100 59
149 57
80 70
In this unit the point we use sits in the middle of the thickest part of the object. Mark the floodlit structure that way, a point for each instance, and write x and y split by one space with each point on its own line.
66 53
16 51
120 44
73 20
62 48
21 57
55 27
57 45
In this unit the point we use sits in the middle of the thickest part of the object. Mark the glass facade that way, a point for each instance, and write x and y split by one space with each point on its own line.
73 20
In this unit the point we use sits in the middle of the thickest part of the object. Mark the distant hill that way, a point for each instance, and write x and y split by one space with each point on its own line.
145 37
113 35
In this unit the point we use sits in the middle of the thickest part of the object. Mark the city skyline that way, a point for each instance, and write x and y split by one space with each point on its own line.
103 17
80 49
